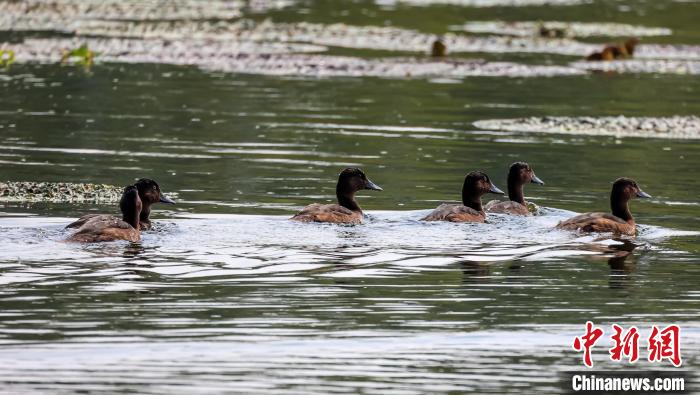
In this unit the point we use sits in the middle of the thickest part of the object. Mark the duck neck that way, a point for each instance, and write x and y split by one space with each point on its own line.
132 218
515 190
471 199
346 199
619 204
145 211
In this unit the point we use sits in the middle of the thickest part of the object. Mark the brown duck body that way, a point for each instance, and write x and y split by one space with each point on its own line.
334 213
98 228
509 207
475 185
616 51
144 223
619 222
599 222
519 174
455 213
347 211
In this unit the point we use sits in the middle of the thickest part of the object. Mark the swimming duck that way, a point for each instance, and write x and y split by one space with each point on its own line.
439 48
347 211
108 228
519 174
615 51
620 221
149 193
475 185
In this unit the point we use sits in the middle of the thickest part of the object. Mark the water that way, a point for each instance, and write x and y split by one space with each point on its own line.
226 295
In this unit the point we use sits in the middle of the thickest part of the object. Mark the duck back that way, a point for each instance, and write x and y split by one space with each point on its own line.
455 213
599 222
333 213
509 207
99 228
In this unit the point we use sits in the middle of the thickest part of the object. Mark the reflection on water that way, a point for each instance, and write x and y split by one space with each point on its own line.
218 302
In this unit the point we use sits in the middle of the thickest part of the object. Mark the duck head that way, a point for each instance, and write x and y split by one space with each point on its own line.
623 190
150 192
628 189
130 206
350 181
519 174
477 184
630 45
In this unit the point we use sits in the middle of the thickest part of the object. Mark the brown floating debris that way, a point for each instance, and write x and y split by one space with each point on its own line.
58 192
675 127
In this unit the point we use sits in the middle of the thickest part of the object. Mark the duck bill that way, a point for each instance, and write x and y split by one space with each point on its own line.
536 180
370 185
166 200
494 189
643 194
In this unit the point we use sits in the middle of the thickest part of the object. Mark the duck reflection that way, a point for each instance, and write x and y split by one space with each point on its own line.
621 265
474 272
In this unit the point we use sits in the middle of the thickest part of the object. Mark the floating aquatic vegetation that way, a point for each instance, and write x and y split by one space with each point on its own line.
46 14
7 57
148 51
676 127
229 57
81 55
483 3
360 37
58 192
569 29
667 66
344 66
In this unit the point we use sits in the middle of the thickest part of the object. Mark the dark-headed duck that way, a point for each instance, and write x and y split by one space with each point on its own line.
476 184
439 48
520 173
149 193
108 228
615 51
620 221
347 211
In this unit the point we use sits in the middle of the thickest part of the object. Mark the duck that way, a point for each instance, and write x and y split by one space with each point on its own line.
149 193
519 174
347 211
620 221
439 48
615 51
101 228
476 184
